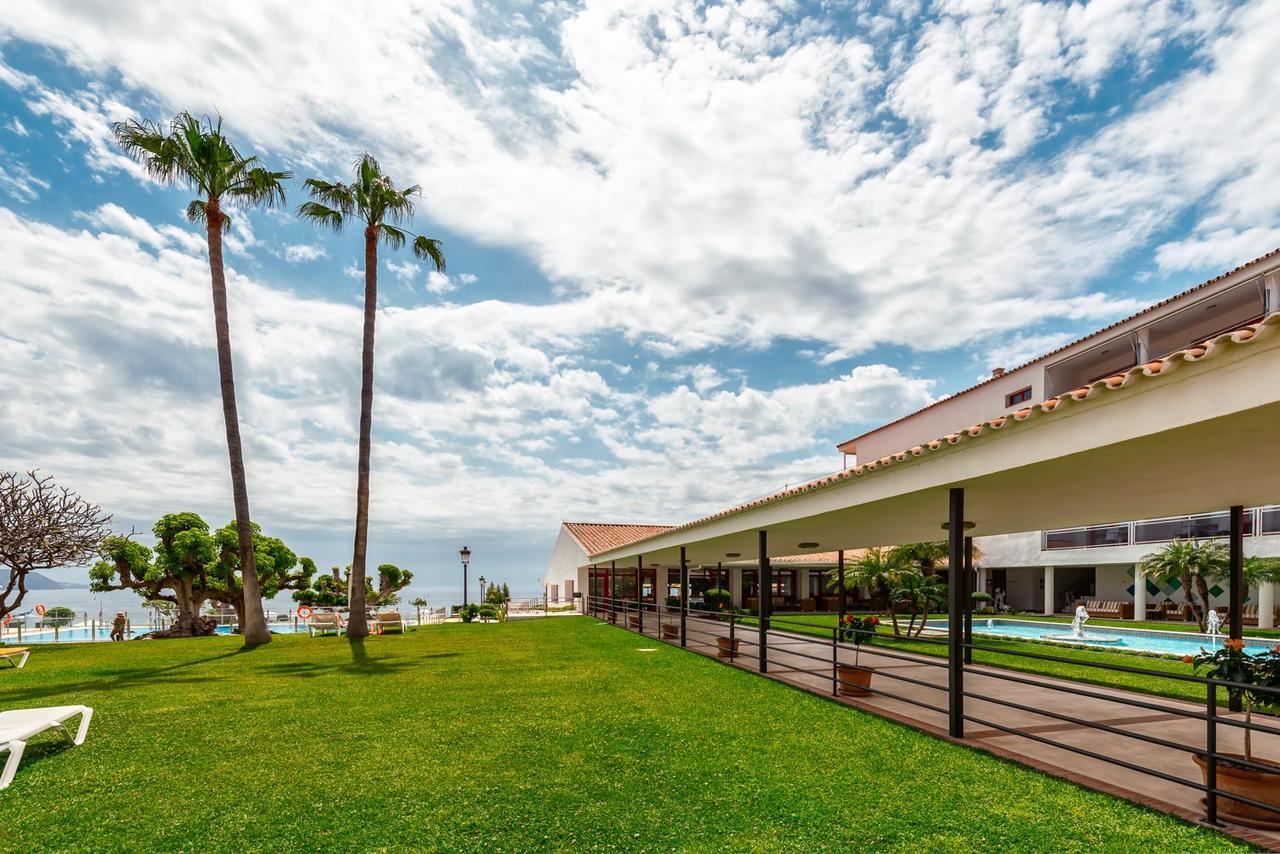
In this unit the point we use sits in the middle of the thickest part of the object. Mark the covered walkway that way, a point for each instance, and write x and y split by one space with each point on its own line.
1119 724
1193 432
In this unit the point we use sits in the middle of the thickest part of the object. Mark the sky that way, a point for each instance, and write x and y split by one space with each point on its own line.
690 246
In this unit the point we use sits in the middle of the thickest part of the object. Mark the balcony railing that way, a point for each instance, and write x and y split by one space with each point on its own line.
1199 526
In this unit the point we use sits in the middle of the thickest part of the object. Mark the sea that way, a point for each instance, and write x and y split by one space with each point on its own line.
84 601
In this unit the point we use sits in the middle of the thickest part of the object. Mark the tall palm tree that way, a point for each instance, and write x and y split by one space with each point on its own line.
373 200
1192 565
195 153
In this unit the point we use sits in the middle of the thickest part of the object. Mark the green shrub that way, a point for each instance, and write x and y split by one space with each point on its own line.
487 612
717 599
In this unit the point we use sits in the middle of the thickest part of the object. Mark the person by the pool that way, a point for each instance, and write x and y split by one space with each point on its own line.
117 627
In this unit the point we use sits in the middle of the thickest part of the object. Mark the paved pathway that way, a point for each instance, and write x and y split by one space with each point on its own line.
806 663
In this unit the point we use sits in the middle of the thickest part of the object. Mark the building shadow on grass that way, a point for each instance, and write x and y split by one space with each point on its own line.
166 675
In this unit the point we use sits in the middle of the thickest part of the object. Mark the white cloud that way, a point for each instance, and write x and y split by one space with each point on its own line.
792 175
299 253
439 283
15 124
19 184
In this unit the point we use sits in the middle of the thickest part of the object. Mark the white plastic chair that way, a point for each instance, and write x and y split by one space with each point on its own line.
19 725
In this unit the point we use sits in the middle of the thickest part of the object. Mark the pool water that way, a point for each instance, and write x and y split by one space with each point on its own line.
81 634
1133 640
68 635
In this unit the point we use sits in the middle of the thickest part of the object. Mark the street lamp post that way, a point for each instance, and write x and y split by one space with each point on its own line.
482 599
466 559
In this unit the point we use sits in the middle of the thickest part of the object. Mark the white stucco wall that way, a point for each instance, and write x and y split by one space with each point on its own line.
952 415
567 563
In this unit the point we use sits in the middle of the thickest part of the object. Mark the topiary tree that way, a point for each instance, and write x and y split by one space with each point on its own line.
191 566
58 615
42 526
331 590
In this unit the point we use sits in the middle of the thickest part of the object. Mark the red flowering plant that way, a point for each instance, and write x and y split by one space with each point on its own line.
1231 663
859 630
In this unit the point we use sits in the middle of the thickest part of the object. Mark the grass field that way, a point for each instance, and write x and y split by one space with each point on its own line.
559 733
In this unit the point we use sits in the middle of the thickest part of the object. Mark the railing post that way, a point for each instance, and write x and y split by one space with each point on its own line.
613 592
1236 587
639 600
840 610
955 613
970 584
835 660
766 600
684 595
1211 753
731 636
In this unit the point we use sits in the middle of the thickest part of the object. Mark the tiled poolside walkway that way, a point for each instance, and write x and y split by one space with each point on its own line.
791 660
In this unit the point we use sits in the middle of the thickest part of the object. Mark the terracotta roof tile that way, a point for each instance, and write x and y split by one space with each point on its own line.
596 537
1082 395
1273 253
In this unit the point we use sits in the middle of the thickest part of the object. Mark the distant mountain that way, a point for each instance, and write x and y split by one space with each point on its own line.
36 581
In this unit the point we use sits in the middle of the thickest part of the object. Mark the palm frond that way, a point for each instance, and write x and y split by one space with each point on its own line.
196 211
147 144
429 249
392 236
322 215
335 195
260 187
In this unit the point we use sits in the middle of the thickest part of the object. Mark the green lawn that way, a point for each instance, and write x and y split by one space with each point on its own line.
560 733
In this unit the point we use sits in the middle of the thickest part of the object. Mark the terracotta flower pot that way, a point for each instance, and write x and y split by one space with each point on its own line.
727 647
670 631
1260 786
855 681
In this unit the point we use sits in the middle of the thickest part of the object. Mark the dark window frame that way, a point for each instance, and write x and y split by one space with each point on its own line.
1022 395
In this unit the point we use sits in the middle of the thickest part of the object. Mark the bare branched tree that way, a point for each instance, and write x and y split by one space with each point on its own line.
43 526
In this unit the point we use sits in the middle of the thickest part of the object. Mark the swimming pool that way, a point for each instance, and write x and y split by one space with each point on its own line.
85 634
78 634
1132 640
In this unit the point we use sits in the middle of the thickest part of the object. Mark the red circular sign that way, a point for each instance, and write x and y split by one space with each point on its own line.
40 610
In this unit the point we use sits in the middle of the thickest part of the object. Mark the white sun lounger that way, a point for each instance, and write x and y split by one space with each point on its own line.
325 622
19 725
10 653
390 621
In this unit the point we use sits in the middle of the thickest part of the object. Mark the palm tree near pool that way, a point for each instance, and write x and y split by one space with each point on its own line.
195 153
1190 564
878 570
373 200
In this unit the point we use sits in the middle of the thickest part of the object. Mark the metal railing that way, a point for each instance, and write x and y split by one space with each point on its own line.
1258 521
749 641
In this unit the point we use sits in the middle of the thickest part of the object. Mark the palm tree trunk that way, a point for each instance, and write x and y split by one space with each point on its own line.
1202 587
358 624
255 626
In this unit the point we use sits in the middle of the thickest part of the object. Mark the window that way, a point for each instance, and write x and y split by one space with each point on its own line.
1019 396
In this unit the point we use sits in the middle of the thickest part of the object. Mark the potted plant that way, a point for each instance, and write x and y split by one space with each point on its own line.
982 602
1232 664
727 647
853 680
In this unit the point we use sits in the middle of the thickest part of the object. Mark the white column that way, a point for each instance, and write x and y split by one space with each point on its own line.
735 582
1139 594
1266 605
1048 591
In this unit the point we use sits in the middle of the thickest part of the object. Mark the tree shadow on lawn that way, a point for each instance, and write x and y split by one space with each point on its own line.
124 679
